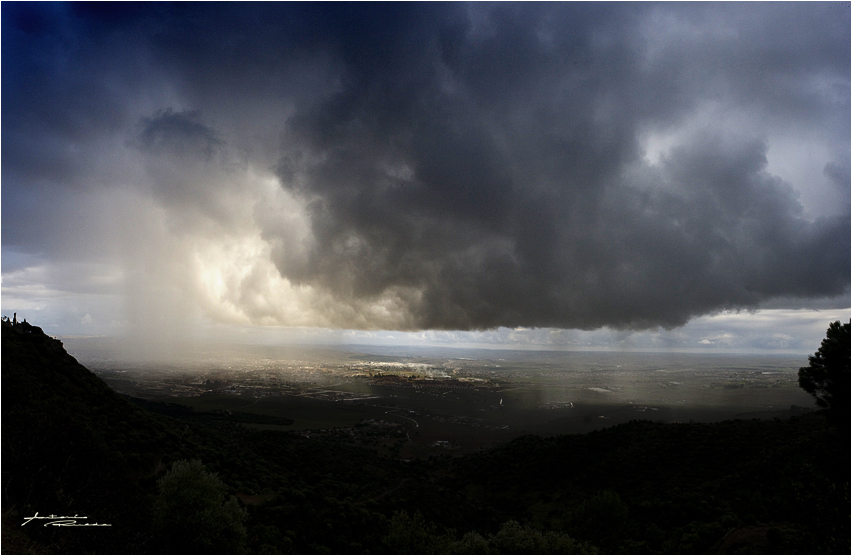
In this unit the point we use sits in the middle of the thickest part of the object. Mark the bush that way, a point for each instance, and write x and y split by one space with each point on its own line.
602 519
413 535
192 515
514 538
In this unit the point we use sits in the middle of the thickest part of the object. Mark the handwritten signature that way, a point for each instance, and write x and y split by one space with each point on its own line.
64 521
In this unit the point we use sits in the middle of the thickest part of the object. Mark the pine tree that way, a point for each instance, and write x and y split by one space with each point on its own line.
827 378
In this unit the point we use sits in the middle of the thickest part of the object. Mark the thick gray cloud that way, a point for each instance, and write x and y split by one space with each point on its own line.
499 174
440 166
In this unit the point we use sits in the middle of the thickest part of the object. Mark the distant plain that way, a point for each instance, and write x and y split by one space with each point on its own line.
456 401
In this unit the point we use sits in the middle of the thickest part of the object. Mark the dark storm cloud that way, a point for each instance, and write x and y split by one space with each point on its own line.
481 164
485 164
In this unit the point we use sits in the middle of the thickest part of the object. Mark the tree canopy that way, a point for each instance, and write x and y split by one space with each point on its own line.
193 514
827 376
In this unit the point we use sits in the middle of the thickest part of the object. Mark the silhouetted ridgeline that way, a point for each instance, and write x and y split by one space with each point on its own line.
71 446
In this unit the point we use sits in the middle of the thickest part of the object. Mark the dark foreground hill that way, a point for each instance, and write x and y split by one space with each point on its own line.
71 446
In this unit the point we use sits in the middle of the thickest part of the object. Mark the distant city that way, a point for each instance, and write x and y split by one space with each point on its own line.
412 402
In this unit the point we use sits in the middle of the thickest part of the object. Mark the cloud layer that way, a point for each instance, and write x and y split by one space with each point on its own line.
431 166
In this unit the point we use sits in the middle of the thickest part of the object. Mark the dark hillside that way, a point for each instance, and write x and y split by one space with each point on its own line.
676 487
71 446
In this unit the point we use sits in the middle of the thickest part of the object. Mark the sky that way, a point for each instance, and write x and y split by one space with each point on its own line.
555 175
